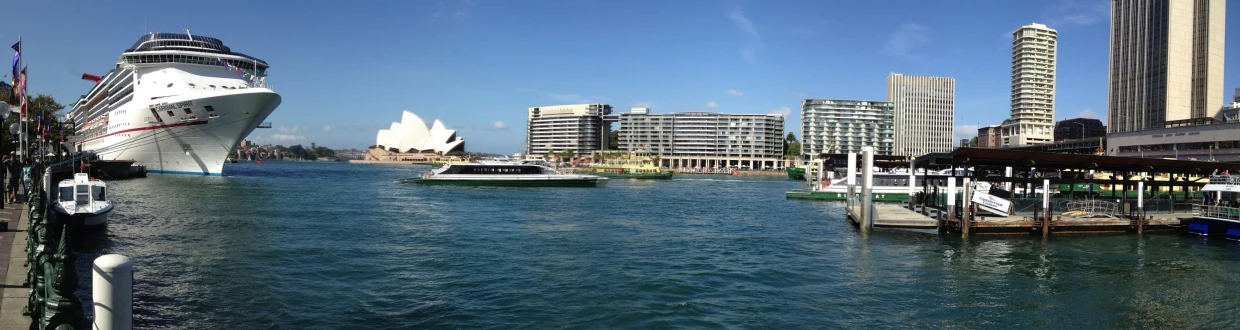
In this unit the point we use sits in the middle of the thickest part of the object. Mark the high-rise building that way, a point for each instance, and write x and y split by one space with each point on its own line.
1079 128
925 113
704 139
1033 87
842 126
578 128
1166 62
989 136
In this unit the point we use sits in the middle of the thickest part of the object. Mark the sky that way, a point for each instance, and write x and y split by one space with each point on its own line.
347 69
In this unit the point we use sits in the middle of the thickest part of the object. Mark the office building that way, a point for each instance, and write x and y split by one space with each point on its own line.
578 128
705 139
1166 62
990 136
843 126
1079 128
1033 87
924 113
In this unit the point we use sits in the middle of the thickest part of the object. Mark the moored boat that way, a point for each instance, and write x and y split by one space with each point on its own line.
636 165
82 201
504 175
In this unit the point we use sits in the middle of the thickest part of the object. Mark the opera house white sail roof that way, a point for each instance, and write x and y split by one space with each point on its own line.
411 135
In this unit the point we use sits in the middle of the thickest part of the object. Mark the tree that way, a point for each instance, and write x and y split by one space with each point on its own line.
973 142
614 142
793 149
39 104
790 138
324 152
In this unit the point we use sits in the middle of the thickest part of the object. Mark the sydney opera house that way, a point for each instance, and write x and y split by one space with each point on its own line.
411 140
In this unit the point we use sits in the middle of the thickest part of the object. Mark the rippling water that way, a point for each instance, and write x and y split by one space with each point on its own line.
340 246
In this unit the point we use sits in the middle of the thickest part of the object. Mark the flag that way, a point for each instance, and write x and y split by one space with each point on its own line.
83 167
23 88
17 57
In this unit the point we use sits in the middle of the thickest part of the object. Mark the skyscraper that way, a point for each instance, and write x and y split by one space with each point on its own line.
1033 87
925 113
1166 62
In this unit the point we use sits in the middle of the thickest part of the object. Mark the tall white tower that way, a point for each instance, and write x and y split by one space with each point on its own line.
1033 87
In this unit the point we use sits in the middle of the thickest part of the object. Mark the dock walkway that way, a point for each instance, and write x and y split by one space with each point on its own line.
895 216
12 258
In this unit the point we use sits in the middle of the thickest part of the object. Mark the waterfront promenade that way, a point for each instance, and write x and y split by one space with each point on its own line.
12 256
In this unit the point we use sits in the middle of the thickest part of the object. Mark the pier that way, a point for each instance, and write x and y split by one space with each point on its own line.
1018 192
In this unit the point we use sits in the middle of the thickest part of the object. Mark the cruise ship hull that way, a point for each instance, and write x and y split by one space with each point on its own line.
181 143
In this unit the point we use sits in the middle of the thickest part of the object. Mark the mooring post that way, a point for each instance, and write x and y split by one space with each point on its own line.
912 179
852 179
951 198
1007 173
964 219
1046 204
867 187
112 291
821 172
1141 206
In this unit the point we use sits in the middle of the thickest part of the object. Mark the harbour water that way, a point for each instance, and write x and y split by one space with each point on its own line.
338 246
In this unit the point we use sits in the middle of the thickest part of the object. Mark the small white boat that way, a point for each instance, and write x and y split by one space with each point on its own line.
82 201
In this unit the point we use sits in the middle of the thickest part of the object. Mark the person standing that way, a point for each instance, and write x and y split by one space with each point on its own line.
13 168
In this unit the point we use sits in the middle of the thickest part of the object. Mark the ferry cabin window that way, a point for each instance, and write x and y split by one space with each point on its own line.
66 193
209 108
188 111
170 114
98 193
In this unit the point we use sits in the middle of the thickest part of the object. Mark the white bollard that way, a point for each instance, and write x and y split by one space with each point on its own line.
112 286
867 187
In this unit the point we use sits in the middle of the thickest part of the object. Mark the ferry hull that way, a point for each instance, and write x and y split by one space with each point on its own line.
665 175
510 182
197 146
796 173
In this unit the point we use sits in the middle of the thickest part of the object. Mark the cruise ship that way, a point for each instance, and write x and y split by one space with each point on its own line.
174 102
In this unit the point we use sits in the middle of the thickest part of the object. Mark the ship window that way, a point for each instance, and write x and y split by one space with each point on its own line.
212 86
192 85
210 109
188 111
170 114
169 84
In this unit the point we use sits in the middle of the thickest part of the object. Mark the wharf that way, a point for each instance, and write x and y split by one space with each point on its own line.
894 216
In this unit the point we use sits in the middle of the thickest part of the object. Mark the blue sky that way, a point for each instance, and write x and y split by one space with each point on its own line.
347 69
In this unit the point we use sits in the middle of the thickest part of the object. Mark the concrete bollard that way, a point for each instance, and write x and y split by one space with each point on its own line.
112 285
867 187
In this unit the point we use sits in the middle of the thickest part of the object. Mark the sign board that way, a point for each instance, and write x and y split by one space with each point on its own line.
991 204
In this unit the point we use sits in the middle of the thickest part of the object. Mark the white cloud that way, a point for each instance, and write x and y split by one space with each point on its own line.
291 129
1077 12
783 111
327 128
712 105
734 92
1087 113
497 126
963 132
278 137
905 41
750 51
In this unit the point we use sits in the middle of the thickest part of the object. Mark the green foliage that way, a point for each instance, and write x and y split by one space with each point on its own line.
299 152
614 142
790 138
40 103
973 142
792 149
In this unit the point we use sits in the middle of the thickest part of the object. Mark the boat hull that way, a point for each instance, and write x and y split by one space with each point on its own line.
184 145
510 182
664 175
97 219
796 173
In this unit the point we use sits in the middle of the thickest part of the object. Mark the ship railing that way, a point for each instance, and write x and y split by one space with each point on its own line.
1217 212
1224 179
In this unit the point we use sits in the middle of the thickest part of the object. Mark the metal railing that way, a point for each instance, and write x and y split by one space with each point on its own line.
1224 179
1217 212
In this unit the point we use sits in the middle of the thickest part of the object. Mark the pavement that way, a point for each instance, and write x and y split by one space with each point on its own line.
12 256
